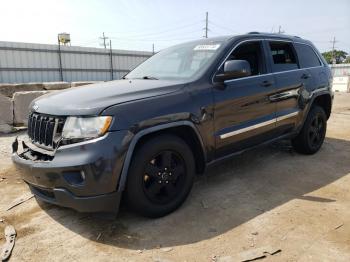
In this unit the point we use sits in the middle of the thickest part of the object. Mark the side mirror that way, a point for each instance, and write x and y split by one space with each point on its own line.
234 69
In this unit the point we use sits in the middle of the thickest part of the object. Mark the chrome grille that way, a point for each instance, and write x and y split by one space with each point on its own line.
45 130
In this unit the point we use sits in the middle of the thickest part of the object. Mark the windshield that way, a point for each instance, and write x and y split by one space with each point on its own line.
178 62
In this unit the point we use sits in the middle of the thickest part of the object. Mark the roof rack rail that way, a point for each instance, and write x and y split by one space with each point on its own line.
253 33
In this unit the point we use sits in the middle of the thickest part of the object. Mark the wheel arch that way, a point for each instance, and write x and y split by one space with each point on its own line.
186 130
325 101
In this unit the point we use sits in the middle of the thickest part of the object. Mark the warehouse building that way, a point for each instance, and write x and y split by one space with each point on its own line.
26 62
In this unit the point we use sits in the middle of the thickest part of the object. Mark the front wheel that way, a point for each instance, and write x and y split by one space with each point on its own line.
311 136
160 176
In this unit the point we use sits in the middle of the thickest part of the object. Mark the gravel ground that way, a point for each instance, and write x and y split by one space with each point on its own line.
268 199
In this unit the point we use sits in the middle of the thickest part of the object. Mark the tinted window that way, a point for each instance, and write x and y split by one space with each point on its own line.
306 56
283 56
253 54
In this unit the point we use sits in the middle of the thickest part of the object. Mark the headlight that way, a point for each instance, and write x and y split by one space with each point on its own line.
86 127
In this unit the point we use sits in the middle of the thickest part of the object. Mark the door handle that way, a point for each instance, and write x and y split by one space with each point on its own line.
305 76
266 83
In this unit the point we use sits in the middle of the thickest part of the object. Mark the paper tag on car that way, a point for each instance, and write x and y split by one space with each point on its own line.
206 47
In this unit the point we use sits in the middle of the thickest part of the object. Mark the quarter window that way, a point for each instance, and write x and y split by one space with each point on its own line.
307 56
283 56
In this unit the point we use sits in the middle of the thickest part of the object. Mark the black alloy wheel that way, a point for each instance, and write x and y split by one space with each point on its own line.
317 131
311 137
160 176
164 176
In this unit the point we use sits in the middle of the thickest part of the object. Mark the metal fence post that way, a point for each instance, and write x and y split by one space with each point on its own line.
111 58
60 60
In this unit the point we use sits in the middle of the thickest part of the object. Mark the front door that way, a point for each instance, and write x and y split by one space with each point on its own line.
244 115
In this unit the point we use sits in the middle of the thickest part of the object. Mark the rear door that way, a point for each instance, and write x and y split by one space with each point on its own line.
290 81
309 60
244 115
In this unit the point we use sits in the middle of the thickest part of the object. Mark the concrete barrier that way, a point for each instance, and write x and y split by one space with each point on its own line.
56 85
6 110
21 102
15 100
6 114
6 129
82 83
9 89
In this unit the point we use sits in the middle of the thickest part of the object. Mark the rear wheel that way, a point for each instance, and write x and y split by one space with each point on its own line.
160 176
311 136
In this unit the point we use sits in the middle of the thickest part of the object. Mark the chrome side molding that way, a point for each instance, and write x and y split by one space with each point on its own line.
265 123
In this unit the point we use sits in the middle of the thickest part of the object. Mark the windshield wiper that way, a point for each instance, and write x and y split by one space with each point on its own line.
149 78
144 77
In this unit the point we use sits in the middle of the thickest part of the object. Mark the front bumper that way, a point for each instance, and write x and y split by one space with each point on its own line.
83 176
62 197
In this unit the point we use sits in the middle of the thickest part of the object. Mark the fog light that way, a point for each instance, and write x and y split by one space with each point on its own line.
74 178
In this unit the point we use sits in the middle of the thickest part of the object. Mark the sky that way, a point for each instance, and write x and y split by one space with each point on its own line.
138 24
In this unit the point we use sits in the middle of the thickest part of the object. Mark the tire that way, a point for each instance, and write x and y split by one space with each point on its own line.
160 176
311 136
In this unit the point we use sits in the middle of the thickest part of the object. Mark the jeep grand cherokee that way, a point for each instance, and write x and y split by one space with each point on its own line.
147 135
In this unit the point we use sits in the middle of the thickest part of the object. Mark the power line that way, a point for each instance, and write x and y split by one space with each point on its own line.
224 28
166 32
326 30
179 24
153 39
182 35
94 40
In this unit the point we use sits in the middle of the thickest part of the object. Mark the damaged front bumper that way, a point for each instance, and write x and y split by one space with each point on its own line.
82 176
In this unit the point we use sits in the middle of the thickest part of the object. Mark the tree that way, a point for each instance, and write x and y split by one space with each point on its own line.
347 60
339 55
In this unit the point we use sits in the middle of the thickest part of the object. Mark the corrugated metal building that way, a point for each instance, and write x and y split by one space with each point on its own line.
25 62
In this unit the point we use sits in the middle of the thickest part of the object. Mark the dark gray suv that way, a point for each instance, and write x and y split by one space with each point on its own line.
147 135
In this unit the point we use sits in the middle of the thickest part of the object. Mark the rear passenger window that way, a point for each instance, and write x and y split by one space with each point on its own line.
307 56
283 56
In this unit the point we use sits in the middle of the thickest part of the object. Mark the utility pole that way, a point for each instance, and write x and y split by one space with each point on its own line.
153 48
206 25
280 31
334 61
104 38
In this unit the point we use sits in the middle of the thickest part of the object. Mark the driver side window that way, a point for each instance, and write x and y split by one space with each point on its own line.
252 52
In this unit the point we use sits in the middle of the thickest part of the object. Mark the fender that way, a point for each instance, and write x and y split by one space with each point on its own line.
314 94
142 133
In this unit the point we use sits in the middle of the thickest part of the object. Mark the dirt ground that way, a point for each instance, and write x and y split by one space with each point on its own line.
267 199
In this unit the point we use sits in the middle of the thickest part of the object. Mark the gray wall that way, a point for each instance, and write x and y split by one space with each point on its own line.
25 62
340 69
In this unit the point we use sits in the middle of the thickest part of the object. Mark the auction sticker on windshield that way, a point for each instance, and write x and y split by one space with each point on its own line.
206 47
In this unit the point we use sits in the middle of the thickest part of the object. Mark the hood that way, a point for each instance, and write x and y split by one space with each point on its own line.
93 99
